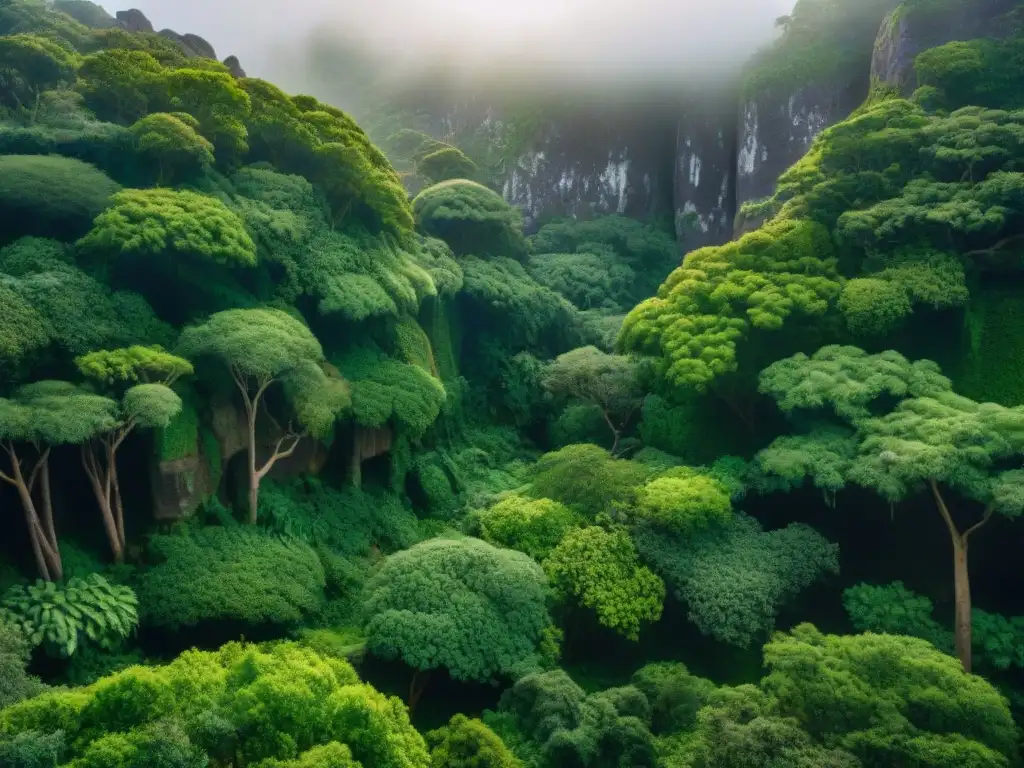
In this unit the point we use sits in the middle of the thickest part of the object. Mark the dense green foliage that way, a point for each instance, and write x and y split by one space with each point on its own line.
229 574
472 219
538 484
63 617
243 703
464 605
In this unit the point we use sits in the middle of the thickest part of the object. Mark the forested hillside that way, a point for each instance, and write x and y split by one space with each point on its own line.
313 458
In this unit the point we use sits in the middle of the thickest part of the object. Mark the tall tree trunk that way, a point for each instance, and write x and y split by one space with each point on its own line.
418 686
42 535
252 407
357 458
100 473
962 629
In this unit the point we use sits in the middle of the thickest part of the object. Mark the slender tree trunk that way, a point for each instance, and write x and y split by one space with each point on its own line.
42 536
962 629
357 458
118 505
101 476
254 483
252 406
420 681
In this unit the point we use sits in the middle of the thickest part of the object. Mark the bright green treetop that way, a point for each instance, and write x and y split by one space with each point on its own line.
474 609
262 343
37 63
153 222
55 413
849 380
472 219
172 144
947 439
138 364
243 704
468 743
216 101
389 391
720 294
889 700
533 526
602 571
120 84
150 406
684 500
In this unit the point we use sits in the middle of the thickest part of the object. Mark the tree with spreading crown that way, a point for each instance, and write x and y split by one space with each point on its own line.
262 347
149 403
932 440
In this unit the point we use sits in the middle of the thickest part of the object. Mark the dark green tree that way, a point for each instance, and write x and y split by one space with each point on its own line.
472 219
478 611
31 64
932 440
172 144
610 382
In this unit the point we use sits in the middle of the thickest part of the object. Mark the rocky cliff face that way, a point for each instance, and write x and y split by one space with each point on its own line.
911 29
776 128
586 168
704 194
577 162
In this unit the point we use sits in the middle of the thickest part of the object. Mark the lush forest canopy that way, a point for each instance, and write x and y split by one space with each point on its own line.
311 457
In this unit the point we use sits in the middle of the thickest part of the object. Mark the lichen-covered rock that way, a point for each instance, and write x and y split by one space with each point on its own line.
134 20
922 24
705 192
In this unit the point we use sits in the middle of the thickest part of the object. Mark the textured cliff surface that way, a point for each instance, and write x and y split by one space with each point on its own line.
705 180
777 126
577 161
918 25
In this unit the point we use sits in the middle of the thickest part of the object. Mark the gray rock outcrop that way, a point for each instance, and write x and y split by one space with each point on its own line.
704 196
134 20
906 32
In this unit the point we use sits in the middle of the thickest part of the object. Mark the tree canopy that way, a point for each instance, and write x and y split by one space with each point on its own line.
463 605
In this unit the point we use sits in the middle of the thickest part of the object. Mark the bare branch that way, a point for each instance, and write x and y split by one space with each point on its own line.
985 518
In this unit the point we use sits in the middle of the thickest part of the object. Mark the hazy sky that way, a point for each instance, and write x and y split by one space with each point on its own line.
631 38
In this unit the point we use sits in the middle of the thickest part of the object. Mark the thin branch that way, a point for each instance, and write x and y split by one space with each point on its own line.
985 518
279 454
40 462
944 510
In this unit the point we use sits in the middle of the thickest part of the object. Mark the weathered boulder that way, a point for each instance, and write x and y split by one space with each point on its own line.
234 66
916 27
705 191
134 20
776 128
180 486
193 45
